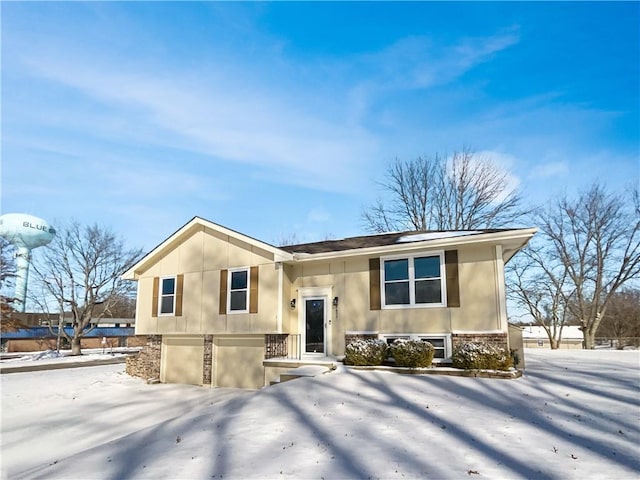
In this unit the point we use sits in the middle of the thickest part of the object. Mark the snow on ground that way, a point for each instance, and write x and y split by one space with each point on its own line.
575 414
48 357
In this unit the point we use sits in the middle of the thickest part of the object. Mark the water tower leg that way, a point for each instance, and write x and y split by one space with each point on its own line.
23 258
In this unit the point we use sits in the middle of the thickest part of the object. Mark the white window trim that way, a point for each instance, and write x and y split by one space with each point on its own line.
161 296
421 336
229 275
307 293
412 304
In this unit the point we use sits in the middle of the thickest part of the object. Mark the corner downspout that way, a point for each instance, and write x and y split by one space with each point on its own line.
501 290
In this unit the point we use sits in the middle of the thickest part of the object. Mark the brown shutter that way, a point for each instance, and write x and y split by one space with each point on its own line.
154 297
179 287
374 284
453 283
223 292
253 290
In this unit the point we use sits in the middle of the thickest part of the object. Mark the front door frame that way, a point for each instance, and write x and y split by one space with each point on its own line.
310 293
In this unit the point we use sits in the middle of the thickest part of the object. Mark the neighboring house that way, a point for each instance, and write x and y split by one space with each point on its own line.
220 305
33 334
536 337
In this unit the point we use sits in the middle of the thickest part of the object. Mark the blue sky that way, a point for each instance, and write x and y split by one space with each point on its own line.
278 118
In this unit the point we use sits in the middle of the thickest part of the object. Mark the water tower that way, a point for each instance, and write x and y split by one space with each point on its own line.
25 232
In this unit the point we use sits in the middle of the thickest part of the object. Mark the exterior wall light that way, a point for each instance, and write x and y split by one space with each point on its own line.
293 303
335 301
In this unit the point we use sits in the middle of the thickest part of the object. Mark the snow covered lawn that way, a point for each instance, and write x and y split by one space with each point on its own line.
575 414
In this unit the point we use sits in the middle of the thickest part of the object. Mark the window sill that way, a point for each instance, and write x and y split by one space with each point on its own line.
418 305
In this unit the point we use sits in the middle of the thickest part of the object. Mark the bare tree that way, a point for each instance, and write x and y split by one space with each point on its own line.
80 270
541 290
463 192
288 239
7 274
122 307
622 320
589 249
284 239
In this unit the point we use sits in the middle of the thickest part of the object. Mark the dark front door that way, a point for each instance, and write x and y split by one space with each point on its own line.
314 319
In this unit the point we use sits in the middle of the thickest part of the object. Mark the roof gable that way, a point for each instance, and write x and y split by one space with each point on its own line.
512 240
193 225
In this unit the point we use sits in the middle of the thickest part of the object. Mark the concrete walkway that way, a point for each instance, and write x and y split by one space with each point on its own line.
34 367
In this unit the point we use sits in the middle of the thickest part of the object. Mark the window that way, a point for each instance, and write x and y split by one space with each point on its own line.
167 295
238 291
439 346
390 340
412 281
441 343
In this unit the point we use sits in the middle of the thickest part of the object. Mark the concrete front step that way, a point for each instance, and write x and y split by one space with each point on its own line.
304 371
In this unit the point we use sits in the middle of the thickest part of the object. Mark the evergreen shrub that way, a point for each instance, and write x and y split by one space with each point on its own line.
481 356
365 352
412 353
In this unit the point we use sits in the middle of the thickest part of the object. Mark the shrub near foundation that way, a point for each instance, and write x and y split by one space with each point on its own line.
481 356
412 353
365 352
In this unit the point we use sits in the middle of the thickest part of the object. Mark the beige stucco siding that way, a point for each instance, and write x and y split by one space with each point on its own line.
181 360
289 315
478 294
200 257
349 281
145 323
238 361
203 256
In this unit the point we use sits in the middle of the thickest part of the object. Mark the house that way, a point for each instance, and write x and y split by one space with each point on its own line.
534 336
31 332
223 309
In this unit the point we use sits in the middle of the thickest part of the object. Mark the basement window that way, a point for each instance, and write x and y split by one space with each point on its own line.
441 343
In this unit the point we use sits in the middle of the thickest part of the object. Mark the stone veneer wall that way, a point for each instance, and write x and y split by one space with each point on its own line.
146 364
207 360
497 339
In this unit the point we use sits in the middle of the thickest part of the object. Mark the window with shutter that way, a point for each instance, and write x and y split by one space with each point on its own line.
179 289
253 292
222 310
167 296
374 283
410 281
453 282
240 290
154 302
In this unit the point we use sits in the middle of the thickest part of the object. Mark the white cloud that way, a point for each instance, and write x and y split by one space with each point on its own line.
507 163
249 110
318 215
217 117
551 169
418 62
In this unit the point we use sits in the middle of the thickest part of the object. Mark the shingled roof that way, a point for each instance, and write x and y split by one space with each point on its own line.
382 240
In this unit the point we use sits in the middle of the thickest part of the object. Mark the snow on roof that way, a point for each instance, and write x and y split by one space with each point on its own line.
569 332
383 240
420 237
